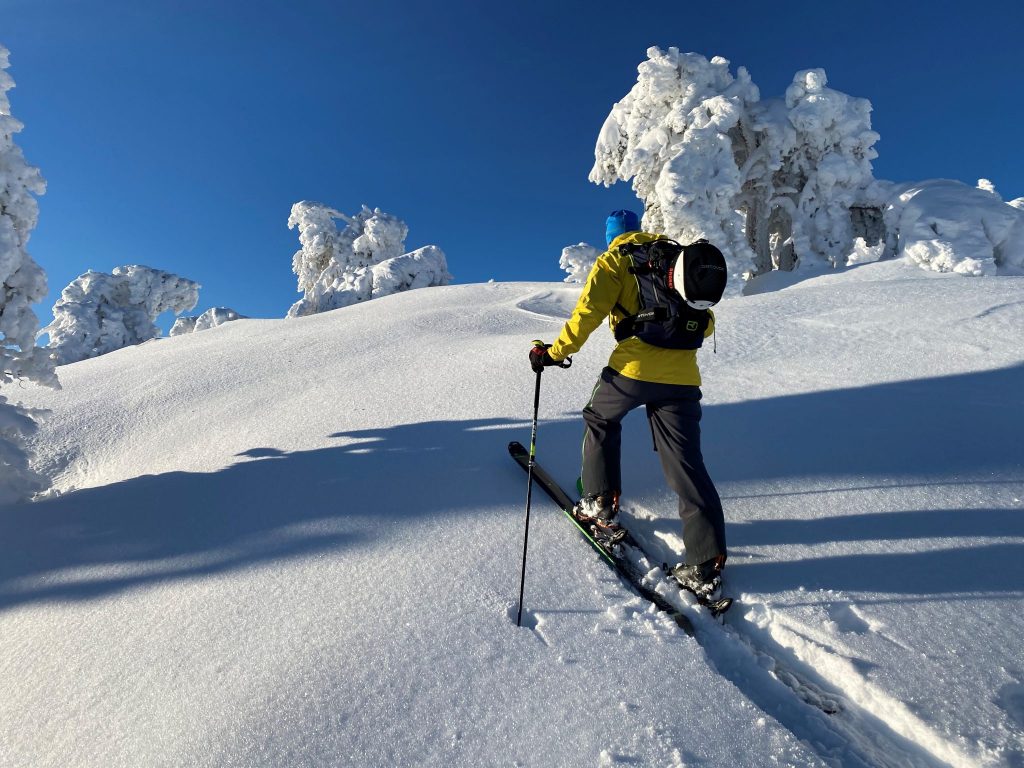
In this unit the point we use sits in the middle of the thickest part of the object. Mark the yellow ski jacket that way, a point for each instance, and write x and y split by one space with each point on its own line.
608 284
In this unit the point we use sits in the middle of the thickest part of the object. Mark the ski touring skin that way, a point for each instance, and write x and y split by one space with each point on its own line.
611 553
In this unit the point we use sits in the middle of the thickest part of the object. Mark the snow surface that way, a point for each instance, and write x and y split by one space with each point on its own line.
297 543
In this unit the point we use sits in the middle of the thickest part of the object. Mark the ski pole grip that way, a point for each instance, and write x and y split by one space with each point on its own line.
561 363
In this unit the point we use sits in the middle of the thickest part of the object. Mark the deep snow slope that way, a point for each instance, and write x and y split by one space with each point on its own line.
297 542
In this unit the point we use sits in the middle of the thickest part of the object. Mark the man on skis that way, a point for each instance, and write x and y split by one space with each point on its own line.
664 380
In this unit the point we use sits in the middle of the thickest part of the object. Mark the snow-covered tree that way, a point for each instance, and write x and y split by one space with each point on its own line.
821 147
22 283
425 267
948 226
211 318
362 260
578 260
772 183
184 324
99 313
677 135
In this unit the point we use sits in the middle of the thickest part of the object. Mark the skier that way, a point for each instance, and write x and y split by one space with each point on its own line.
666 381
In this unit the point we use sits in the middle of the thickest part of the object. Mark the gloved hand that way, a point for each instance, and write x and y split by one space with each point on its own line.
540 358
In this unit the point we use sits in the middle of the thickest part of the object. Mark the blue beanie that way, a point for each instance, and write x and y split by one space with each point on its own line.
620 222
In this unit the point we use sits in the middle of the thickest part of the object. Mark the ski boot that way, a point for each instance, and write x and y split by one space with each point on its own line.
704 580
597 514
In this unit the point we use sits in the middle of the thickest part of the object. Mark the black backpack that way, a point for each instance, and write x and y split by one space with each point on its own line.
677 285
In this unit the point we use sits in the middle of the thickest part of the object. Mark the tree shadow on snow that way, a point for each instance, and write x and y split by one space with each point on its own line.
927 432
969 568
967 428
273 505
873 526
270 505
954 426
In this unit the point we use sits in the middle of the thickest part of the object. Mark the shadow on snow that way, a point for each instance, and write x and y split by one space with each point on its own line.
273 505
268 506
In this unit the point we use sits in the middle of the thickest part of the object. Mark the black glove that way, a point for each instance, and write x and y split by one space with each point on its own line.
540 358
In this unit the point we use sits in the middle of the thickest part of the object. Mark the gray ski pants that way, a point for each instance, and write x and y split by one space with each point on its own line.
674 413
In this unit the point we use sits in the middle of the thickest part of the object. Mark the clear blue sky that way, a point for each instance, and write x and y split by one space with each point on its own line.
178 134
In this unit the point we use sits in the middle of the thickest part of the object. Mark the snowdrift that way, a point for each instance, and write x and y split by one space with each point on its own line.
297 542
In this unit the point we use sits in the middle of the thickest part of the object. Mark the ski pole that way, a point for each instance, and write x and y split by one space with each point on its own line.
529 491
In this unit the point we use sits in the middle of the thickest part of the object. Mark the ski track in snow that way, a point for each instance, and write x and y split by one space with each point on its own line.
846 719
547 305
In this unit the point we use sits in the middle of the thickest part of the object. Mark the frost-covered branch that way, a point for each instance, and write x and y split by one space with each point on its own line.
423 268
785 183
23 281
677 135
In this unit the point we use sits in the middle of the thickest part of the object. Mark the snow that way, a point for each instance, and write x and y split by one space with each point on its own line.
23 282
827 145
270 545
776 184
423 268
672 136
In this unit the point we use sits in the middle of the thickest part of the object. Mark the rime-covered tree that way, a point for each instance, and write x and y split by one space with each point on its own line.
947 226
98 313
675 135
578 260
362 260
773 183
211 318
425 267
821 146
22 283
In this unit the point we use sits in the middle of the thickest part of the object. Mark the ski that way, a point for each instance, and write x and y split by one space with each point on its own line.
611 555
